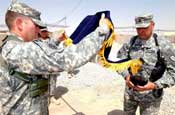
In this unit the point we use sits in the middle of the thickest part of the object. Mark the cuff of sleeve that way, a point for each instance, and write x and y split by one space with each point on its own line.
124 74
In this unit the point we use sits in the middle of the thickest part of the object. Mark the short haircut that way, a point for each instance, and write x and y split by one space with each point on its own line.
10 17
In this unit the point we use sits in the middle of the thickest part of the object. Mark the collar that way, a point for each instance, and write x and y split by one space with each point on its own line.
12 34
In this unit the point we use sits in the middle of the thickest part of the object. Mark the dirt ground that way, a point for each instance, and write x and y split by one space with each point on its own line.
90 95
101 100
96 91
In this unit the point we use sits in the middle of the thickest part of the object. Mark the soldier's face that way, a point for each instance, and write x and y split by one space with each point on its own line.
145 33
44 34
30 30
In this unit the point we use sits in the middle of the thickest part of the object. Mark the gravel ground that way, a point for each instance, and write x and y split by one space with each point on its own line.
94 90
168 103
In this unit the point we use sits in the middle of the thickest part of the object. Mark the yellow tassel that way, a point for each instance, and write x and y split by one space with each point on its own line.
68 42
134 64
107 43
111 38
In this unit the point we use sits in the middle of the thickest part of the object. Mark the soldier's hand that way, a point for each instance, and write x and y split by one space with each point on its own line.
148 86
104 23
128 82
59 35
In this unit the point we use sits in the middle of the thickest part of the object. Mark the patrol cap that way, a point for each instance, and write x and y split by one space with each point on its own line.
143 21
26 10
43 29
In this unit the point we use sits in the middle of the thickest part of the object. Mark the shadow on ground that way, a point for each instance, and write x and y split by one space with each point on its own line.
59 91
116 112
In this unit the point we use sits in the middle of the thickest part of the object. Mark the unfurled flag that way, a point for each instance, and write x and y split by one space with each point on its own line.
88 25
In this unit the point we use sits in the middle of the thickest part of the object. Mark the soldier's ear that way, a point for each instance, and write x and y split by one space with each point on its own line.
19 23
153 23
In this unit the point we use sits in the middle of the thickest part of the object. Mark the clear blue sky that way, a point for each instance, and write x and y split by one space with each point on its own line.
122 11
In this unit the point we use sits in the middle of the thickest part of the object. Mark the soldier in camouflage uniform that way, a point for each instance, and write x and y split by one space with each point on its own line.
23 87
45 36
148 47
44 33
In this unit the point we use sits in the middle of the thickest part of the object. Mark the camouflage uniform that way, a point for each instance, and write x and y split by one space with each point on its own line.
147 50
38 59
52 43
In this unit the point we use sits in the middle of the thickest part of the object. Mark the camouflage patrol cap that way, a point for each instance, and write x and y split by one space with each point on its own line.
143 21
43 29
26 10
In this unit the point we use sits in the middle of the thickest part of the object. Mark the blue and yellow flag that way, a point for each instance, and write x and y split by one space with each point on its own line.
88 25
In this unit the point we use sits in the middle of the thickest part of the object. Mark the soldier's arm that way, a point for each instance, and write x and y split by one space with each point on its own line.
38 58
168 78
6 91
55 38
123 54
